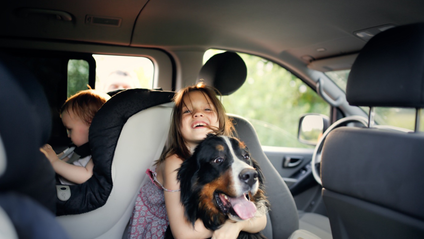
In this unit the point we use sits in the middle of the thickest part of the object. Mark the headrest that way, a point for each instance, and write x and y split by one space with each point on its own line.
103 137
225 71
18 127
24 127
389 70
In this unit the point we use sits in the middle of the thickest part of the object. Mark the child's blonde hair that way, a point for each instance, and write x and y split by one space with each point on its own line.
85 104
176 143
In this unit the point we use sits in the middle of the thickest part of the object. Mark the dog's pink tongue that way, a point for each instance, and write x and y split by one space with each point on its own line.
244 208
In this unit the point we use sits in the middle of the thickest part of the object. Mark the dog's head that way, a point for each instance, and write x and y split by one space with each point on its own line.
221 181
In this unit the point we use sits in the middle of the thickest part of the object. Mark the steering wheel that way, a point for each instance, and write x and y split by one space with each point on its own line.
357 121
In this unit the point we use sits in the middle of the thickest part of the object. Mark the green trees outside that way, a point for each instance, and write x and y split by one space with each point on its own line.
77 76
273 100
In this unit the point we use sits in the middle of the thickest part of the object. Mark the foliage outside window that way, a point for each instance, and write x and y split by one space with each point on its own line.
78 71
398 117
273 100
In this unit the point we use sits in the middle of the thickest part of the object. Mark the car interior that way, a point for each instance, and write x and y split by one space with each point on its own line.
27 180
116 141
356 210
327 96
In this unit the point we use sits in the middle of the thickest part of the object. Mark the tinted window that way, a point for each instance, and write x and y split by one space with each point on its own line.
78 73
123 72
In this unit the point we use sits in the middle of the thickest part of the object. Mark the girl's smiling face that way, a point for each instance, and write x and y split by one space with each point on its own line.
198 115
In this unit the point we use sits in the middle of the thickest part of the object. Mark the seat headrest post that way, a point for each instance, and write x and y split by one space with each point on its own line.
371 117
417 119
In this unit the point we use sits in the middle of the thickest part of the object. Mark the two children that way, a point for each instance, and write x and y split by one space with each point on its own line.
77 114
196 113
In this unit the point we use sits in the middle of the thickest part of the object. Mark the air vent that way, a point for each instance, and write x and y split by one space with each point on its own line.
104 21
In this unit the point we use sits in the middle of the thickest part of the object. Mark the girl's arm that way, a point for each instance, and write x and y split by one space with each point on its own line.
180 227
73 173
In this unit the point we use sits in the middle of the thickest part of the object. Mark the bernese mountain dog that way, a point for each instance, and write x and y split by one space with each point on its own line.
222 181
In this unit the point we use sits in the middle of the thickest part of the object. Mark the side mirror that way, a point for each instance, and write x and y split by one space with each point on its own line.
311 128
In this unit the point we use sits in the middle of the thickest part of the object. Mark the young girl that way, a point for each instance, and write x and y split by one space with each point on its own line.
77 113
197 112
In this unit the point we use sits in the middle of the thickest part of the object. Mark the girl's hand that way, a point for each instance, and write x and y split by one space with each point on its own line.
229 230
48 151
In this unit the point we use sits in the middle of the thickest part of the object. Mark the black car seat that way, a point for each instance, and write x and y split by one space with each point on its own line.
127 134
227 72
373 177
6 225
27 179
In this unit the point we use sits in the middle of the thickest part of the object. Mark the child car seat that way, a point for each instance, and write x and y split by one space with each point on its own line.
127 134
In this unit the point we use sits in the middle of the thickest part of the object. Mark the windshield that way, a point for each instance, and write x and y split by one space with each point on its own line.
398 117
339 77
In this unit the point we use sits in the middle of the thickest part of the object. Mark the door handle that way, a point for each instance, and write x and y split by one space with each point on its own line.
291 162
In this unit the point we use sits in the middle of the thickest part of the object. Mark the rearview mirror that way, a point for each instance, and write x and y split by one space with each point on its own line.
311 128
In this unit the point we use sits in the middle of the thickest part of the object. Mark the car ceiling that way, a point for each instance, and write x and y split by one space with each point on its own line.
306 29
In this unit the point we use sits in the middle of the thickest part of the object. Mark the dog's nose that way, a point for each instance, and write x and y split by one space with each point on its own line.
249 176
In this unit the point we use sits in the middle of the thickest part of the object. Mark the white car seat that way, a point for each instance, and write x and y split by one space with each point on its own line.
227 72
126 136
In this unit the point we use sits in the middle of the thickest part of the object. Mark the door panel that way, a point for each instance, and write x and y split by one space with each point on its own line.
305 190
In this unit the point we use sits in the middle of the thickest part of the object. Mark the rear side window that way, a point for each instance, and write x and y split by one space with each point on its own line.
112 73
62 74
123 72
78 76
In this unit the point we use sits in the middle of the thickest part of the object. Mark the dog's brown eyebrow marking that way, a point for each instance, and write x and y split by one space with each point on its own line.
220 147
242 145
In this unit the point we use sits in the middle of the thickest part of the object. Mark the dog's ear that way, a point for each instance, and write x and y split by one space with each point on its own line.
187 175
253 163
261 176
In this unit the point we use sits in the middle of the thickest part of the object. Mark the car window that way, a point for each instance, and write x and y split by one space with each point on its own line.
339 77
78 76
123 72
397 117
112 73
273 100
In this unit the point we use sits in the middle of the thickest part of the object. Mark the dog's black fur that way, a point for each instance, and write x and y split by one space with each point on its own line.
220 165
